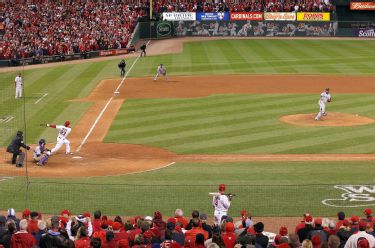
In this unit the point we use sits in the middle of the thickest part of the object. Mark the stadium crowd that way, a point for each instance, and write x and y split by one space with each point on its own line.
244 6
83 231
48 27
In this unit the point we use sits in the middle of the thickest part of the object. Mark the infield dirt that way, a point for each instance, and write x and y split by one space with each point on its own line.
104 159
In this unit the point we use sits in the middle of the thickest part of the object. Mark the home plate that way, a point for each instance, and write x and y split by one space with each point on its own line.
77 157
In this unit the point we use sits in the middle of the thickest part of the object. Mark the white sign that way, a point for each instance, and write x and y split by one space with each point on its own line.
353 196
179 16
280 16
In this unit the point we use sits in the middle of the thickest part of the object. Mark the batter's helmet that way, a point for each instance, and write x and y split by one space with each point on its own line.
19 133
42 141
222 187
67 123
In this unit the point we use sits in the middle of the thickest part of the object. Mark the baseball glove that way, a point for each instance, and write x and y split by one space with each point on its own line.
329 100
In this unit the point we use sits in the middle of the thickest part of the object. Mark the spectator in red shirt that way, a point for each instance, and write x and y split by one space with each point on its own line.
32 225
179 215
228 236
22 239
83 240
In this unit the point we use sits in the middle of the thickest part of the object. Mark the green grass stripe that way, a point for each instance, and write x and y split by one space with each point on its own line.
226 116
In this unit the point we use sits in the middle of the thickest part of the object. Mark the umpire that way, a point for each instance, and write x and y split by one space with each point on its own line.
122 65
14 148
143 48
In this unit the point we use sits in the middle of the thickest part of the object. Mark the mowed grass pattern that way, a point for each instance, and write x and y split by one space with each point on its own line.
264 188
266 57
242 124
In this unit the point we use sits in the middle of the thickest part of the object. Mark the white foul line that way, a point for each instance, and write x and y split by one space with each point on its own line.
37 101
107 104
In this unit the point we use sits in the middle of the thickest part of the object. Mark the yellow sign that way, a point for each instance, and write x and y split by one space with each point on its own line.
314 16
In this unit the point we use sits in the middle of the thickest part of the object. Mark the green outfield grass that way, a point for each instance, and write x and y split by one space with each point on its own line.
263 188
244 123
266 57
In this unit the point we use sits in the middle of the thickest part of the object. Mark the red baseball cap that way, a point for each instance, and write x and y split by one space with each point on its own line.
368 211
26 213
283 231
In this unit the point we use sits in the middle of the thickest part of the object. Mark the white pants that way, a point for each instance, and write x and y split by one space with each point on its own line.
218 215
322 110
157 75
18 92
59 144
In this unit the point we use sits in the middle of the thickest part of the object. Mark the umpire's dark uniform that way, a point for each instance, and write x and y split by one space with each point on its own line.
143 48
122 65
14 148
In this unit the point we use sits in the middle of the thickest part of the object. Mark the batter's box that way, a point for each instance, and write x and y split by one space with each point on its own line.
6 119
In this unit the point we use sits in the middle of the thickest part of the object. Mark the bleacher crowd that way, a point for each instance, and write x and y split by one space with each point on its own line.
48 27
84 231
244 6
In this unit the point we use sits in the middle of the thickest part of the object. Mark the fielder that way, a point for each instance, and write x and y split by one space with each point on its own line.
63 132
161 70
18 85
221 203
41 153
324 98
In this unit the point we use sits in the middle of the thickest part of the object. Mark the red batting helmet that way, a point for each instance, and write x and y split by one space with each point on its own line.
222 187
67 123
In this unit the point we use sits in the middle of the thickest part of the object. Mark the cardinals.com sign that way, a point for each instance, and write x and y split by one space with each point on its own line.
215 16
179 16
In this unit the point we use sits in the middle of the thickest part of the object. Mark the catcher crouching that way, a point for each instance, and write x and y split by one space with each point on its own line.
41 153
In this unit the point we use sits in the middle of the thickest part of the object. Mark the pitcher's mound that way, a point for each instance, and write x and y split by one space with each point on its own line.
331 120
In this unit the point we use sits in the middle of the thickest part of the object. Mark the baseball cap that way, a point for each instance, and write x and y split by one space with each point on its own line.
308 220
283 231
318 221
368 211
11 212
26 213
362 225
341 215
354 219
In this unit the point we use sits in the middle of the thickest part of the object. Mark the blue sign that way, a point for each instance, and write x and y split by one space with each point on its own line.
215 16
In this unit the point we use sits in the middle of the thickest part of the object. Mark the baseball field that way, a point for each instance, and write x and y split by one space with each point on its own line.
239 112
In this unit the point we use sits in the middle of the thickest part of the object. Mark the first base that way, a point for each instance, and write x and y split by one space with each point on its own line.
77 157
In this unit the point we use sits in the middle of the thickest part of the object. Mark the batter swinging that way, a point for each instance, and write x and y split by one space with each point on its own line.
63 132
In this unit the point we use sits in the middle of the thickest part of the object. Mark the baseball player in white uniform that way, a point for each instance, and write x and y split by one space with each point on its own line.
63 132
324 98
18 85
161 70
221 203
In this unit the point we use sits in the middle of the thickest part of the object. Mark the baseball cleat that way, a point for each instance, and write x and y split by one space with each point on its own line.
39 164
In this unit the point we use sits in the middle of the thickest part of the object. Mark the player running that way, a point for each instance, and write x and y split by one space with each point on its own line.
63 132
41 153
161 70
324 98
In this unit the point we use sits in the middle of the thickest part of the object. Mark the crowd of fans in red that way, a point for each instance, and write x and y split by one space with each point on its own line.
48 27
244 6
84 231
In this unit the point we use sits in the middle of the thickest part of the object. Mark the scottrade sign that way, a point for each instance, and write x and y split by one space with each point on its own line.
215 16
245 16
